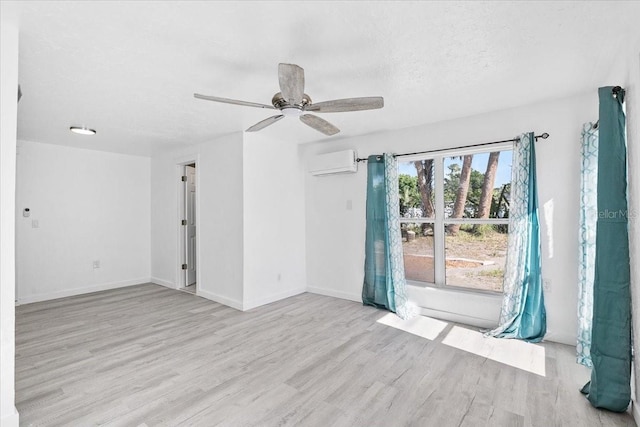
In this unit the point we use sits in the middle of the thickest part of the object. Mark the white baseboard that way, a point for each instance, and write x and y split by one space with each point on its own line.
248 305
335 294
11 420
489 324
445 315
244 306
458 318
561 338
79 291
163 282
220 299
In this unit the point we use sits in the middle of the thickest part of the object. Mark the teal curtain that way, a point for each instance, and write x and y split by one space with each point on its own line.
523 314
610 387
384 280
587 240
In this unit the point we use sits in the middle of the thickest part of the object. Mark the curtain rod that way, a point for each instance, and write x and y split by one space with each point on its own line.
545 135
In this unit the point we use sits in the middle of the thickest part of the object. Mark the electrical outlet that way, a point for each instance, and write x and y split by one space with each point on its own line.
96 263
546 285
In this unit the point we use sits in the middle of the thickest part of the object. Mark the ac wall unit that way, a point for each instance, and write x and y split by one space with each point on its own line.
333 163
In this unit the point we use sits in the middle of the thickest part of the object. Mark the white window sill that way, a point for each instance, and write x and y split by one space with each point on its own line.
481 309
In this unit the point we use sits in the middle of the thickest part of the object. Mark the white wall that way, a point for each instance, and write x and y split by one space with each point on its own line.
164 217
336 234
274 232
631 82
90 206
8 125
219 218
250 219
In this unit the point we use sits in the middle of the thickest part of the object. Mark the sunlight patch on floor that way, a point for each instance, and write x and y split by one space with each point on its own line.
519 354
421 326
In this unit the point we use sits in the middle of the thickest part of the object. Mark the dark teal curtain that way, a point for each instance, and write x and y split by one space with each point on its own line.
377 290
610 387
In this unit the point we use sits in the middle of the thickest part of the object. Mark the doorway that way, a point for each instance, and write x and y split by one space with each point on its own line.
188 225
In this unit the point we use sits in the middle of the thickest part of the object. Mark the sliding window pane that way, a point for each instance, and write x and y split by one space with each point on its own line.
416 189
417 245
475 256
477 185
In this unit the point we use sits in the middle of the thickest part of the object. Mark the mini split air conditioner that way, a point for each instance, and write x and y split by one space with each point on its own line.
334 163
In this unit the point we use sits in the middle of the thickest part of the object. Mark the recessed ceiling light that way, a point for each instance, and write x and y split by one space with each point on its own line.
82 130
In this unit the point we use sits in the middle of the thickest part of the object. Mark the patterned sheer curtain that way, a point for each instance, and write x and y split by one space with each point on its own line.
587 240
384 280
523 315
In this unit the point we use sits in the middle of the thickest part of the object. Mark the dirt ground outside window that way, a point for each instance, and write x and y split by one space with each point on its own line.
473 260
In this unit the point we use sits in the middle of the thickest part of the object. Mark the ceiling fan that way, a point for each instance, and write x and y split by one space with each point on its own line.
292 101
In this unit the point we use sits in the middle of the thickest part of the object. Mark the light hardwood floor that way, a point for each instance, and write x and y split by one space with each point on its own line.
147 355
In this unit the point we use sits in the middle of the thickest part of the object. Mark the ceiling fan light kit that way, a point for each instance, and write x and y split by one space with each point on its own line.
293 102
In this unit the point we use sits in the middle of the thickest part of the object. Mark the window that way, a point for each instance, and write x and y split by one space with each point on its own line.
454 211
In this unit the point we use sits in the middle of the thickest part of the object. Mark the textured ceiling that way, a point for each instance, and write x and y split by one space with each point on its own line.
129 69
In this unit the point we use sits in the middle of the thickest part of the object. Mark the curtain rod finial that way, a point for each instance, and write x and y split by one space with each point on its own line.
545 135
615 91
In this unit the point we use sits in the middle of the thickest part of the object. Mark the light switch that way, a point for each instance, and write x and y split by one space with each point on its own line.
349 205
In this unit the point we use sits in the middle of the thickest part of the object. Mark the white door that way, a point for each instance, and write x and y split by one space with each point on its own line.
190 171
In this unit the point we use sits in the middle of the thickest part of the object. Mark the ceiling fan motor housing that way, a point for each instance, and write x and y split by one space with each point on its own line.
280 103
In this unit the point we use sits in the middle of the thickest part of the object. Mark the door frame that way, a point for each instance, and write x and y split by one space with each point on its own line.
181 249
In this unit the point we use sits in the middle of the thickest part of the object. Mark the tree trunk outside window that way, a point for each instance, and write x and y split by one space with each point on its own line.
425 178
484 207
461 194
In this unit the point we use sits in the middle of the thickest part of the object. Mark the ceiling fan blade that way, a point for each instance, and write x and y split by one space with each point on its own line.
264 123
348 104
321 125
291 79
233 101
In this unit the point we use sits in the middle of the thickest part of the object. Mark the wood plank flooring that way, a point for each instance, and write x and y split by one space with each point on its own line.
149 356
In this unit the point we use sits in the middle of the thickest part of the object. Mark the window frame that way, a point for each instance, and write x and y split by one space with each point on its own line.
440 222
